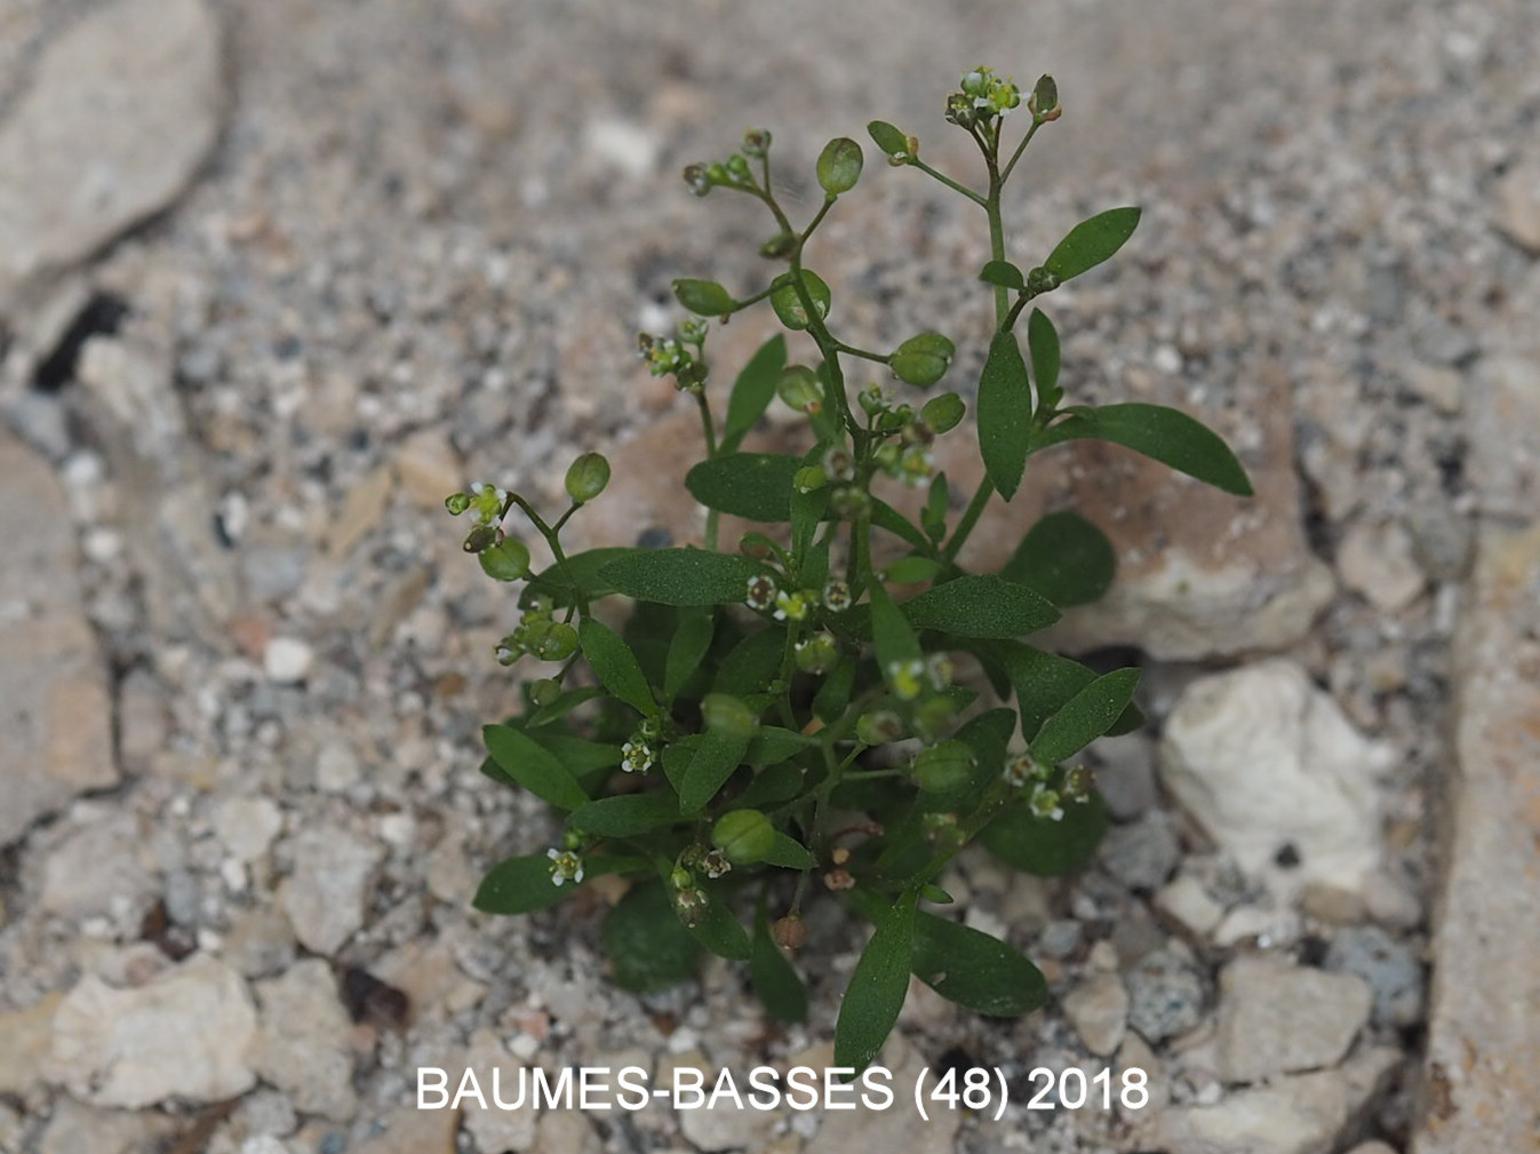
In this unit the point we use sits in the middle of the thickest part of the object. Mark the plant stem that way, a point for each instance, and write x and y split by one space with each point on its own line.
947 180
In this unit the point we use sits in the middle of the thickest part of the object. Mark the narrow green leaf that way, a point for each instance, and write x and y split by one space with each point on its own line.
1004 274
720 932
681 577
978 972
877 988
890 520
1043 345
564 704
581 756
981 606
533 766
1044 682
1166 435
1004 413
771 787
1091 241
520 885
833 695
716 757
581 574
616 666
888 138
1086 716
677 756
775 981
1042 846
938 503
753 391
752 663
647 947
895 641
789 853
627 814
987 735
1065 558
773 745
912 570
807 509
755 486
691 641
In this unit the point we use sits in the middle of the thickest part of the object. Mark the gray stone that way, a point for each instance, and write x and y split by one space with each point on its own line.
1278 1018
1265 761
77 1129
304 1044
55 708
327 891
27 1035
98 868
1517 193
186 1034
1143 854
120 113
1165 996
1389 966
1125 775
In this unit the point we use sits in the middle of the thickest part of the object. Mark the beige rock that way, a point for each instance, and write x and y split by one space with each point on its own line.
566 1132
1517 194
1503 427
1296 1114
1186 902
362 510
428 467
326 893
120 112
99 869
494 1128
77 1129
412 1131
725 1127
1377 561
25 1038
1278 1018
187 1034
1482 1079
55 708
304 1047
1098 1009
895 1131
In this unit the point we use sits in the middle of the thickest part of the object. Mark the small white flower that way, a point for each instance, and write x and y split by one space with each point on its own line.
636 756
1023 769
761 593
1044 802
906 678
566 866
790 606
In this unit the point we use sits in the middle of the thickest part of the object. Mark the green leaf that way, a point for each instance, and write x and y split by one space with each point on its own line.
648 949
616 666
691 641
753 391
752 663
564 704
978 972
1086 716
988 736
1004 409
773 745
888 138
716 757
833 695
1091 241
775 981
1166 435
890 520
581 574
1042 846
627 814
682 577
807 509
720 932
533 766
938 502
877 988
895 641
1065 558
789 853
1043 345
912 570
1004 274
777 784
520 885
788 305
755 486
1045 682
581 756
980 606
703 297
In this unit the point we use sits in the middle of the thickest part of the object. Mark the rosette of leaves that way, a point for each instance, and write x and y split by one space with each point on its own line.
779 722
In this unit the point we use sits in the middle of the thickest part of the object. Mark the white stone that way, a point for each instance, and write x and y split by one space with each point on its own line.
98 869
1187 903
1278 1018
287 660
247 826
326 893
1264 760
186 1034
1377 561
493 1128
1098 1009
304 1044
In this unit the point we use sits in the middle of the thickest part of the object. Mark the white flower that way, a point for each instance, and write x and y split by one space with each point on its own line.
636 756
566 866
761 592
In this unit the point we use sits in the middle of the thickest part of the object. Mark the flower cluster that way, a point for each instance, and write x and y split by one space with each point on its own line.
680 356
982 98
540 634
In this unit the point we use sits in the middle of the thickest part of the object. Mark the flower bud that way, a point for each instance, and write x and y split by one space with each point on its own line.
839 165
698 178
798 387
738 169
818 653
704 297
944 767
809 479
879 727
756 142
681 878
1044 102
559 642
457 503
744 835
587 477
728 715
1040 280
508 560
934 716
922 360
544 691
942 414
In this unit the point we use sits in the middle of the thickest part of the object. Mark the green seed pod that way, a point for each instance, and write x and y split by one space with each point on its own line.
943 767
681 878
457 503
508 560
922 360
889 139
788 304
560 641
809 479
728 715
744 835
818 653
879 727
587 477
544 691
703 297
839 165
933 717
942 414
481 537
1044 103
872 401
798 387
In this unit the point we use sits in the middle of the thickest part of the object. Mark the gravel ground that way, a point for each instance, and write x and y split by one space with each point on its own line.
282 278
